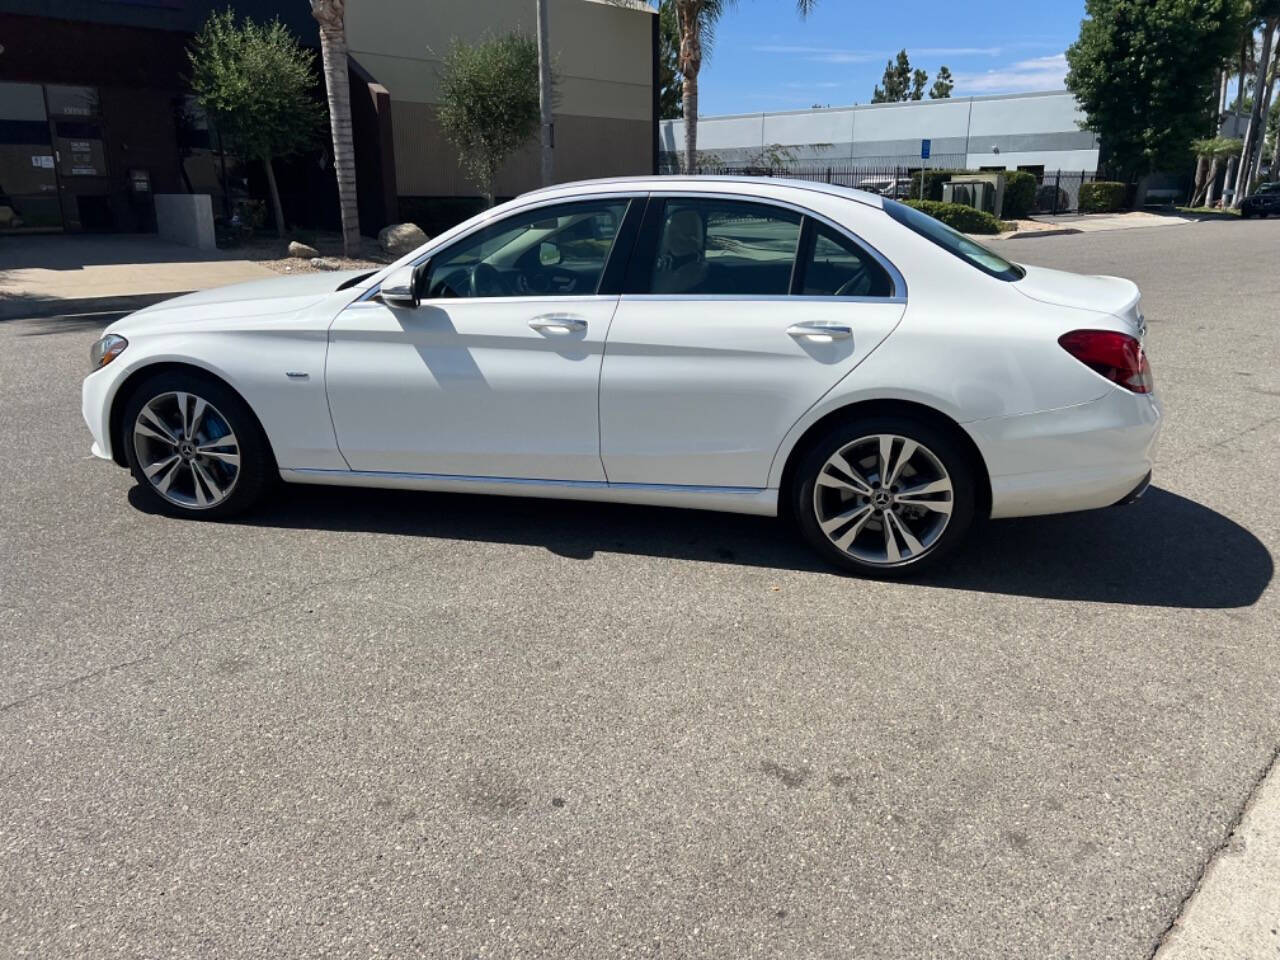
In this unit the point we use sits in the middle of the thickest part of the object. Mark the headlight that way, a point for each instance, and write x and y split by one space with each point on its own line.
106 350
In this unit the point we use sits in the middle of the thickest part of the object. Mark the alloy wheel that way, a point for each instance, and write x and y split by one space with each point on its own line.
187 450
883 499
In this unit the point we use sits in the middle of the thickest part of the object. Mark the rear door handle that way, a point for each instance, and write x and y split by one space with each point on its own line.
558 324
820 331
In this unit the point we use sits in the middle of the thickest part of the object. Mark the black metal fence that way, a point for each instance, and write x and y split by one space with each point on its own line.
1056 191
1059 192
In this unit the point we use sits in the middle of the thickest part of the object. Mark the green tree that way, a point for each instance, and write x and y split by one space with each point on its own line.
918 79
942 84
896 80
1144 73
670 83
489 102
255 82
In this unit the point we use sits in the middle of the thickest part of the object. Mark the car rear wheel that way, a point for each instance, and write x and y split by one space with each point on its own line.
194 447
886 496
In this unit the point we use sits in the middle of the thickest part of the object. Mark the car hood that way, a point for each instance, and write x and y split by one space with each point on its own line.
257 298
1113 295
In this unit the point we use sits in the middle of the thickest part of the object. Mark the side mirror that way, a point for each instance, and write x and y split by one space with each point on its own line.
400 289
548 254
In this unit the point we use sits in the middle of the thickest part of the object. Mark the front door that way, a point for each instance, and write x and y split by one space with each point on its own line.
739 315
496 373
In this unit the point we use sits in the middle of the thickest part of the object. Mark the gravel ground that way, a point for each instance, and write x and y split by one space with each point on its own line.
363 724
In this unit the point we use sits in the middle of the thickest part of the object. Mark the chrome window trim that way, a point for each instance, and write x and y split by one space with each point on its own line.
759 298
536 201
895 275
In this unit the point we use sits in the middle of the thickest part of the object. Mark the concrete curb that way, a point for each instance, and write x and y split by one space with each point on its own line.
19 309
1027 234
1232 911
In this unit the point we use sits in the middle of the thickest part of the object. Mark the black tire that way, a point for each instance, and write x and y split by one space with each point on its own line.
256 471
942 452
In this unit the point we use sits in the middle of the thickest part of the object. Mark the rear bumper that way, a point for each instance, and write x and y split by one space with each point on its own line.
1076 458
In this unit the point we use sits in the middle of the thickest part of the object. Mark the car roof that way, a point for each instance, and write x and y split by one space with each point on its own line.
762 186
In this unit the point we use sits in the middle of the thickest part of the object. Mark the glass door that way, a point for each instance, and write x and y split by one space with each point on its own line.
28 179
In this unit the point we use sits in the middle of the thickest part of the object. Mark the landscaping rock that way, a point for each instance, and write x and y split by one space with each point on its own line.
302 251
400 238
325 263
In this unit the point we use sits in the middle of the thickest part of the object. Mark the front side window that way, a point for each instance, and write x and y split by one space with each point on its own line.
953 241
550 251
836 266
723 247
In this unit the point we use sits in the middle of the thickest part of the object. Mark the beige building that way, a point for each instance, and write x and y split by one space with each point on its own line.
605 60
89 136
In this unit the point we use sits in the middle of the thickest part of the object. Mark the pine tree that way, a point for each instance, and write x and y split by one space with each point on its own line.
942 85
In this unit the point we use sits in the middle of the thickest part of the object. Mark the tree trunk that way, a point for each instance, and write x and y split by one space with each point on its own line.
1211 183
331 14
544 95
1202 162
1246 152
1222 102
689 14
1229 177
1266 110
276 209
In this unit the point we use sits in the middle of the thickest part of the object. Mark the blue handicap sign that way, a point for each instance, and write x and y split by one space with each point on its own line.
924 149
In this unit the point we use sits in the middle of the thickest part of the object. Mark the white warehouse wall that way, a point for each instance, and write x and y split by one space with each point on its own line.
1006 130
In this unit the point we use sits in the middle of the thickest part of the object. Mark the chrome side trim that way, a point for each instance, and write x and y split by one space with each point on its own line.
532 481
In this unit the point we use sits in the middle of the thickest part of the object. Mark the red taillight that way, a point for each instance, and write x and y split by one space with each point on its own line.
1117 356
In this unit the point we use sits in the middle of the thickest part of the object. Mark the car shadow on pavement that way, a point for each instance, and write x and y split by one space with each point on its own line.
1164 550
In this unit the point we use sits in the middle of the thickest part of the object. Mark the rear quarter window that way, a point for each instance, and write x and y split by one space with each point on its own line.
954 242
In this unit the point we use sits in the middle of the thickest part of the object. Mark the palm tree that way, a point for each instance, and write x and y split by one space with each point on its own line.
1269 13
696 18
544 95
331 15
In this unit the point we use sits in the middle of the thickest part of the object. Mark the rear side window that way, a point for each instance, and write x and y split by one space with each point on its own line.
835 266
710 246
953 241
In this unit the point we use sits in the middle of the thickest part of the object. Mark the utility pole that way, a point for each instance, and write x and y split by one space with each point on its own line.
544 95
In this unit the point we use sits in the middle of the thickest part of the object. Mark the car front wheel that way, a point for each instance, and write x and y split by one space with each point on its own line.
886 496
194 447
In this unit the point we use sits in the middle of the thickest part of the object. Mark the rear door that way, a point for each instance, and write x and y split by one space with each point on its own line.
738 316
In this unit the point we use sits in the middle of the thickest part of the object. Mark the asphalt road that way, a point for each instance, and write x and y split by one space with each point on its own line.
363 724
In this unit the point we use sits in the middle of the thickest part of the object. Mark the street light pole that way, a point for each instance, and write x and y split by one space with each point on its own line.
544 95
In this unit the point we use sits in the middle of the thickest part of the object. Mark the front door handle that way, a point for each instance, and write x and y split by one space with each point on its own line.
820 332
558 324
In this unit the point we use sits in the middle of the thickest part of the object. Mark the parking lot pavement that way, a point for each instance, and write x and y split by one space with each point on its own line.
419 725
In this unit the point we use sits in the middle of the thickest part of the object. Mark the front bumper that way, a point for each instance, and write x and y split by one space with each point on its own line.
95 406
1082 457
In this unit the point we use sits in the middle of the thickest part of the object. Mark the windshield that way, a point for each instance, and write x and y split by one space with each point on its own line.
953 241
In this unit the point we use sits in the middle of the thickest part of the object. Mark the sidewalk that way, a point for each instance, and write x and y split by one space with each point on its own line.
53 275
1092 222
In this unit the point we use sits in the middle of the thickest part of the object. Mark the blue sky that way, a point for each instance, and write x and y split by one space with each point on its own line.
767 58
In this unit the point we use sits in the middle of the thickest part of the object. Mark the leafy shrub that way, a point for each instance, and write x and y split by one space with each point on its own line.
1102 196
958 216
1019 194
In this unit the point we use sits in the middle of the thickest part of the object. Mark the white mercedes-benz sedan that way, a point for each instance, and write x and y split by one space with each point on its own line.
745 345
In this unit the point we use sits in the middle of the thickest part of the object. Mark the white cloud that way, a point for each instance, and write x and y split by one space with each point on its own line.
1039 73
